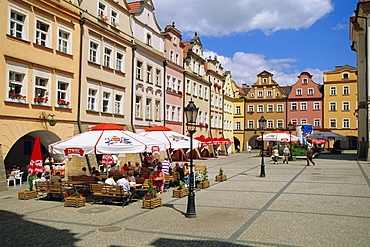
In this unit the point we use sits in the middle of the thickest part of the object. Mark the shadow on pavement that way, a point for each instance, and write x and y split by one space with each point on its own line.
165 242
342 156
15 231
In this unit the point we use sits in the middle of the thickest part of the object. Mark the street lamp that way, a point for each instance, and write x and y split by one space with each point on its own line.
262 124
191 113
290 127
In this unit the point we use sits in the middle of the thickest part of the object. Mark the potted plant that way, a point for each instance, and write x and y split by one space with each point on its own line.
28 193
41 100
74 199
151 199
203 179
221 176
180 191
103 17
63 103
114 24
18 97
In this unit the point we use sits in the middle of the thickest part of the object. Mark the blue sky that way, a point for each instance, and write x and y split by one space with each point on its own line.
284 37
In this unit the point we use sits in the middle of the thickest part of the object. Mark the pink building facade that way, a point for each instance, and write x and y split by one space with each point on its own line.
305 102
174 85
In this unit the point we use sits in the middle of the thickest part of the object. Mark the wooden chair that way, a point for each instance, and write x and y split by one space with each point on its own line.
41 188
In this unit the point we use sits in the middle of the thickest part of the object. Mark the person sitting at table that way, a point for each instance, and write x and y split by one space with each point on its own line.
124 182
185 167
179 169
149 176
83 172
110 180
45 177
16 171
159 179
125 168
130 166
95 172
49 160
131 177
137 169
56 178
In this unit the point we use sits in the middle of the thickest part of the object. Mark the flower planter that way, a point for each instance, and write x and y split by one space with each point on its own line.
63 106
203 185
25 195
74 202
178 193
152 203
221 178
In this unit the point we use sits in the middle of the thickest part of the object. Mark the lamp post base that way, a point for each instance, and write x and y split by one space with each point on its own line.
263 174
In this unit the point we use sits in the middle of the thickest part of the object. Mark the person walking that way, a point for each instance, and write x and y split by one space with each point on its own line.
275 155
286 154
249 150
310 156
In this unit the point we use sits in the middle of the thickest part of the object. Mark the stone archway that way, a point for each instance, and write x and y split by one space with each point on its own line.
19 154
254 143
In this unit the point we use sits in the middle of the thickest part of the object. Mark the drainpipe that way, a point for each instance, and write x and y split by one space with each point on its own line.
133 98
164 92
82 22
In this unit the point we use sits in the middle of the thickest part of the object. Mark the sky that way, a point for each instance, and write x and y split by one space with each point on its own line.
284 37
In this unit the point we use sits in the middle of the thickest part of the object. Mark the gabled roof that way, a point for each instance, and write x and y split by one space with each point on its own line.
339 68
286 89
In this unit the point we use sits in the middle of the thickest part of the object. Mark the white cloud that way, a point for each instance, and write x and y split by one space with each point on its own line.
245 67
220 18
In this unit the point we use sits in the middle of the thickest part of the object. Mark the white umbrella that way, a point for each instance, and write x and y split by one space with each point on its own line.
106 138
170 138
278 135
326 135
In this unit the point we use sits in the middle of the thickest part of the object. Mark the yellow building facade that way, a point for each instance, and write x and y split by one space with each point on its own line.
238 117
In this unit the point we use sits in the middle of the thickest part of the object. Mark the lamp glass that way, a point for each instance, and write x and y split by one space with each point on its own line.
191 113
262 123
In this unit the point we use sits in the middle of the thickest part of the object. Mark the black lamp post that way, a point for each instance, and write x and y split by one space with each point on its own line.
290 127
262 124
191 113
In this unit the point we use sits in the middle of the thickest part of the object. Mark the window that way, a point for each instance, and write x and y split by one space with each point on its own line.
15 83
303 106
157 110
304 81
345 90
139 67
173 113
269 93
158 77
345 122
252 95
41 94
316 105
107 57
345 106
279 108
42 31
177 59
280 123
138 107
206 117
298 92
260 108
200 91
149 39
93 52
333 123
91 99
250 124
179 86
63 41
206 93
333 90
120 62
303 120
114 18
270 108
345 76
332 106
194 88
260 94
17 24
106 100
149 74
179 114
270 124
118 104
238 125
188 86
294 121
101 9
62 93
293 106
317 122
167 112
171 55
310 91
264 80
238 109
148 107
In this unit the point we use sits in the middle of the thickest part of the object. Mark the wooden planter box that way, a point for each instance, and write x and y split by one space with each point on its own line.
25 195
203 185
221 178
74 202
152 203
180 193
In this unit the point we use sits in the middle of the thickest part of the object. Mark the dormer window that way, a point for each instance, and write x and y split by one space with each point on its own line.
264 80
149 39
345 76
304 81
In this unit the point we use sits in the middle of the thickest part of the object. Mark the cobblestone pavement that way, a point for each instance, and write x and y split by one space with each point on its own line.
294 205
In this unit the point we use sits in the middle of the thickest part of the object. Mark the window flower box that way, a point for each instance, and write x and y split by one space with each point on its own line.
216 85
103 17
114 24
74 202
40 100
17 98
63 103
179 193
179 92
169 89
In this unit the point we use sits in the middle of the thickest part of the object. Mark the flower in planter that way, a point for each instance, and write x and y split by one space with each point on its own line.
150 191
179 92
63 102
169 89
114 24
103 17
74 194
221 171
181 185
18 97
41 100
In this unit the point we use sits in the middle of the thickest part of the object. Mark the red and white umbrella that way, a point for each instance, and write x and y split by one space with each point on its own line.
278 135
315 141
172 139
35 165
106 138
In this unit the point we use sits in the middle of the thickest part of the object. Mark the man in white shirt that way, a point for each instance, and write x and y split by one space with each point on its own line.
110 180
123 181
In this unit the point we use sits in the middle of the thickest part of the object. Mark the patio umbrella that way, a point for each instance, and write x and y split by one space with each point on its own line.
106 138
316 141
35 165
326 135
223 140
172 139
278 135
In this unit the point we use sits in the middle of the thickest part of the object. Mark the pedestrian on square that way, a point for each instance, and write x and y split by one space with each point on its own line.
275 155
286 154
310 156
249 150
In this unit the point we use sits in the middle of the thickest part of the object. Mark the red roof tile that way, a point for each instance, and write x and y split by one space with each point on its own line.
134 7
